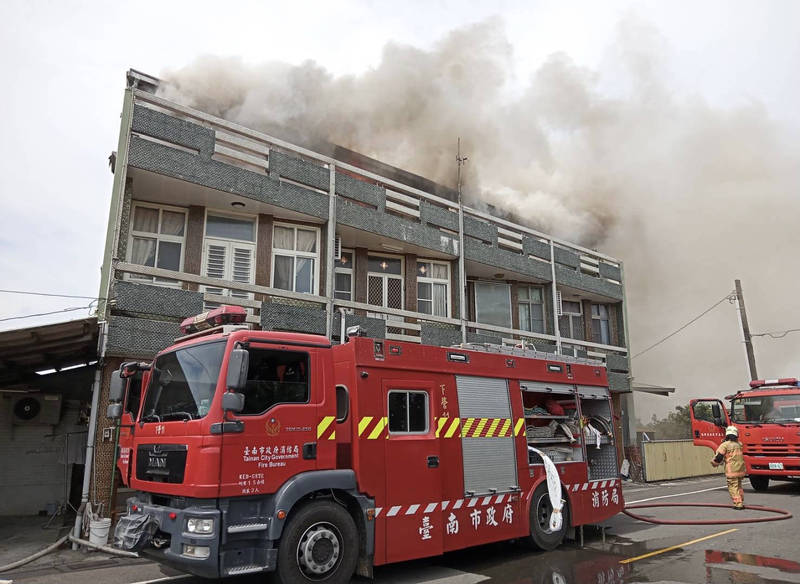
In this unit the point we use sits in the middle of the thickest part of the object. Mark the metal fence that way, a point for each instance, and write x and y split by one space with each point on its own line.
676 459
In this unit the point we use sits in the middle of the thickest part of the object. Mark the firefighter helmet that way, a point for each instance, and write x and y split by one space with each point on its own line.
732 430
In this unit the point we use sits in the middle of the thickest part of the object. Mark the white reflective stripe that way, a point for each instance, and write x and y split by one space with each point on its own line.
499 499
458 504
431 507
585 486
472 502
486 500
445 504
393 511
378 511
603 486
412 509
575 487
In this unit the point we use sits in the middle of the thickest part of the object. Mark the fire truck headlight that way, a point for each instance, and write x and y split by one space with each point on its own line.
197 525
196 551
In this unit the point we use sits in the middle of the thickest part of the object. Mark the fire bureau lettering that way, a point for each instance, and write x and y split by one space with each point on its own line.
271 456
445 411
452 524
160 429
250 483
425 530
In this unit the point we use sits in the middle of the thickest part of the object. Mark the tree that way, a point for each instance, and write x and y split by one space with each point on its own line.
676 425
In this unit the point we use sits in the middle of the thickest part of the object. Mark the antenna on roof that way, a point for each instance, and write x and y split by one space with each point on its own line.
462 276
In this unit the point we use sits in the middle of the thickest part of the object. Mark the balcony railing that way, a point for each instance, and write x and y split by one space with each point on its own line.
409 322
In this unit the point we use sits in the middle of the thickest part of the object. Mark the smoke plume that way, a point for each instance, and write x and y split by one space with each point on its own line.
689 196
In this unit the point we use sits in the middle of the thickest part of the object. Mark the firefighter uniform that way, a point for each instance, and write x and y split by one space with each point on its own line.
730 452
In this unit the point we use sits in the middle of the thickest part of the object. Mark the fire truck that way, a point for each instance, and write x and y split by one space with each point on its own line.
768 418
256 451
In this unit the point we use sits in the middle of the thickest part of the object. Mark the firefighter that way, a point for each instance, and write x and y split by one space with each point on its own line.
730 452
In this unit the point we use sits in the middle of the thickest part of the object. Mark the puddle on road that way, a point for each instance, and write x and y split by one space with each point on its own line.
720 557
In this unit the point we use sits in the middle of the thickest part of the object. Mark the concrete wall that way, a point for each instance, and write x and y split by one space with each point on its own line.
676 459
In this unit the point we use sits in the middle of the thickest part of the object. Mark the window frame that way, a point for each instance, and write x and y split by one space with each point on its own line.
475 286
349 271
600 319
432 281
294 254
408 393
570 315
385 285
530 303
158 236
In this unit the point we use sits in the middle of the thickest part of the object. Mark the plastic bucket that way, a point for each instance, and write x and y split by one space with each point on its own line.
98 531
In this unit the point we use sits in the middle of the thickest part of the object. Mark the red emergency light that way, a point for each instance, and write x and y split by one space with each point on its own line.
765 382
217 317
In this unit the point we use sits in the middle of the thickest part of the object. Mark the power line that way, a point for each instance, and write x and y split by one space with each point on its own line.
775 334
49 294
695 319
74 308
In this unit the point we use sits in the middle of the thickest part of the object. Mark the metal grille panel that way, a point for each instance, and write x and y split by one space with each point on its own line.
394 293
375 291
483 397
602 461
489 464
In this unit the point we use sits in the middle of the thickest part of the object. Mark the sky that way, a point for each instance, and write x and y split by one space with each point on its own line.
730 67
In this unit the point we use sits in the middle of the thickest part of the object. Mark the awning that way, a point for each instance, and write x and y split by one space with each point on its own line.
654 389
23 352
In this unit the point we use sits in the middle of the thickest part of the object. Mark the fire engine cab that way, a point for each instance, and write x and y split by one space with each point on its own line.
255 451
768 417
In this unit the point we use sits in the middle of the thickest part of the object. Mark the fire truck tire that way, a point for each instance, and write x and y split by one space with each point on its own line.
319 544
542 537
759 482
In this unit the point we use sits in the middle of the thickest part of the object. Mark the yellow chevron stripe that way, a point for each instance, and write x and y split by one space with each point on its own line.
490 431
453 427
518 428
441 423
323 425
465 428
363 423
378 429
505 427
332 436
479 429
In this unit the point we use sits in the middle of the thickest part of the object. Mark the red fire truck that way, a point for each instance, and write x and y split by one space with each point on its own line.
256 451
768 418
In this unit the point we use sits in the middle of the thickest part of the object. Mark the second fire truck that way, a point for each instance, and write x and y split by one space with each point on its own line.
768 417
255 451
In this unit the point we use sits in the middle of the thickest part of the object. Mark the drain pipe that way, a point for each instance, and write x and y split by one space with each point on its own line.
343 327
90 438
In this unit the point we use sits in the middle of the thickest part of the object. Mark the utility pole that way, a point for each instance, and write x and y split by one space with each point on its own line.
748 344
462 276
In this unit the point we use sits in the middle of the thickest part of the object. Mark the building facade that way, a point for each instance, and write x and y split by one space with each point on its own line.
206 212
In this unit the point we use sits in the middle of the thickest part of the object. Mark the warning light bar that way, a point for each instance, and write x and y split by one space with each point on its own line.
765 382
217 317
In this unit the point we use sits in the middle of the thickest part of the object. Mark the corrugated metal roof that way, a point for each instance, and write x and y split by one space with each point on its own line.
23 352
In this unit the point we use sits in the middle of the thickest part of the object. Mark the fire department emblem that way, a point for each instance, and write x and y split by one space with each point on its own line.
273 427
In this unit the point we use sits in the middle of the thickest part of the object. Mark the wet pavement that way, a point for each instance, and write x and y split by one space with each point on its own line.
632 552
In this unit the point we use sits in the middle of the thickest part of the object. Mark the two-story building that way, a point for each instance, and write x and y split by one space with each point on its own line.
205 211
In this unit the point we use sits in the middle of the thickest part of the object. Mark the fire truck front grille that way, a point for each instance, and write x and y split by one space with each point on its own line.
161 463
770 450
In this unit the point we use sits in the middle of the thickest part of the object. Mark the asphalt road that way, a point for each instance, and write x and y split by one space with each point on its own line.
632 552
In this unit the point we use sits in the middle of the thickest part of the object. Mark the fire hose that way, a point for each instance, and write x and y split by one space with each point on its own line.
778 514
59 543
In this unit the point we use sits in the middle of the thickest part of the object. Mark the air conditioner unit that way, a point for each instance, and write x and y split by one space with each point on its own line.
37 408
337 249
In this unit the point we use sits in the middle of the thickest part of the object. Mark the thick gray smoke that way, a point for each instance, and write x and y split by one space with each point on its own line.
689 196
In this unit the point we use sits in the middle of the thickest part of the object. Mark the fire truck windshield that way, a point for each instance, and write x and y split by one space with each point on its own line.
183 382
765 409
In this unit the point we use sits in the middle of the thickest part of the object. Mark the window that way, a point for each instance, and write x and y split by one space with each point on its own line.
295 258
134 395
343 277
275 377
600 331
385 283
493 303
570 323
531 309
433 288
156 240
408 412
229 253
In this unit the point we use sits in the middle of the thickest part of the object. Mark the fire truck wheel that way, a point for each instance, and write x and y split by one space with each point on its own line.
759 482
319 544
542 537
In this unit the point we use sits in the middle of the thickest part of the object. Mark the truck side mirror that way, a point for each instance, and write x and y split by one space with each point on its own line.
116 390
114 411
232 402
237 369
